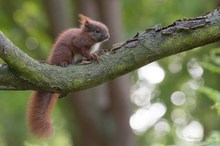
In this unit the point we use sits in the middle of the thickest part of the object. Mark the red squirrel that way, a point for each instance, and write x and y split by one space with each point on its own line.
73 45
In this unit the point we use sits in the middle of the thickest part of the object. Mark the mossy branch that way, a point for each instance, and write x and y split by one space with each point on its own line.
21 72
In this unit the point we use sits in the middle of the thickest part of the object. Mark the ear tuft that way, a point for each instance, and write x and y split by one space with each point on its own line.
84 19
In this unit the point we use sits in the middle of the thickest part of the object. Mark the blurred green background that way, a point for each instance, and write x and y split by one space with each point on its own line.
178 106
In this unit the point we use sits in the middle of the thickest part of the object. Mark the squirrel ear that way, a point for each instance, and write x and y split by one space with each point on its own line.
84 19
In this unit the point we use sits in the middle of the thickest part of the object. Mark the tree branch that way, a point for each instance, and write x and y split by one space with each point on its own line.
21 72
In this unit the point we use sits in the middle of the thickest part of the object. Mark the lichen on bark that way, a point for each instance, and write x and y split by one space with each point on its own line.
21 72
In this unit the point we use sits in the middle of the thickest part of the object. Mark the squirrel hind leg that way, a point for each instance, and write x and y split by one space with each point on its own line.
39 112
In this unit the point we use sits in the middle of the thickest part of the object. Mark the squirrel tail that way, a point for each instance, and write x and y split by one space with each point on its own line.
39 112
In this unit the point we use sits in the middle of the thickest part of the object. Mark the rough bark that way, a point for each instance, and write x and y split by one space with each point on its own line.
24 73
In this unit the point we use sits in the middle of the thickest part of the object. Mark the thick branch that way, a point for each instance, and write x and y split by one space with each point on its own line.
25 73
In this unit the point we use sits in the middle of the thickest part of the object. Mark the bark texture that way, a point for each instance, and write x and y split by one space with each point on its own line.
24 73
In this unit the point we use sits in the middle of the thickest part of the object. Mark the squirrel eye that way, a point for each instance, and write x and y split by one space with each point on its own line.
97 31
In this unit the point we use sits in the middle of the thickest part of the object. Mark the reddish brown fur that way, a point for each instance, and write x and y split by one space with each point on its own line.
69 44
40 108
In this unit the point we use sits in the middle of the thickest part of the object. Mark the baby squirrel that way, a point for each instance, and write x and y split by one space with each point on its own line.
72 46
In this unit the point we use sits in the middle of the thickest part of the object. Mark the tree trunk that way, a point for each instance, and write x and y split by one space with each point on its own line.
123 136
86 107
119 88
58 16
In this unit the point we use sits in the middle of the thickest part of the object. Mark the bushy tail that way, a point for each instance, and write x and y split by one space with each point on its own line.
39 112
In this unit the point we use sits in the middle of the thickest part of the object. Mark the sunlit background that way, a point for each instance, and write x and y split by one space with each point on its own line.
150 114
174 101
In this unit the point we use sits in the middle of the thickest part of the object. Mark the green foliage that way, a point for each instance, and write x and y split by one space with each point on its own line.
195 74
213 139
12 113
211 93
148 13
25 23
21 22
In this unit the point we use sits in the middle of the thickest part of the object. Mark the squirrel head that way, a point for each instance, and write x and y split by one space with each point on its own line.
96 30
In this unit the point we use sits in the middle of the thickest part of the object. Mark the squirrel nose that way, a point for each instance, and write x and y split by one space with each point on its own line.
107 36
